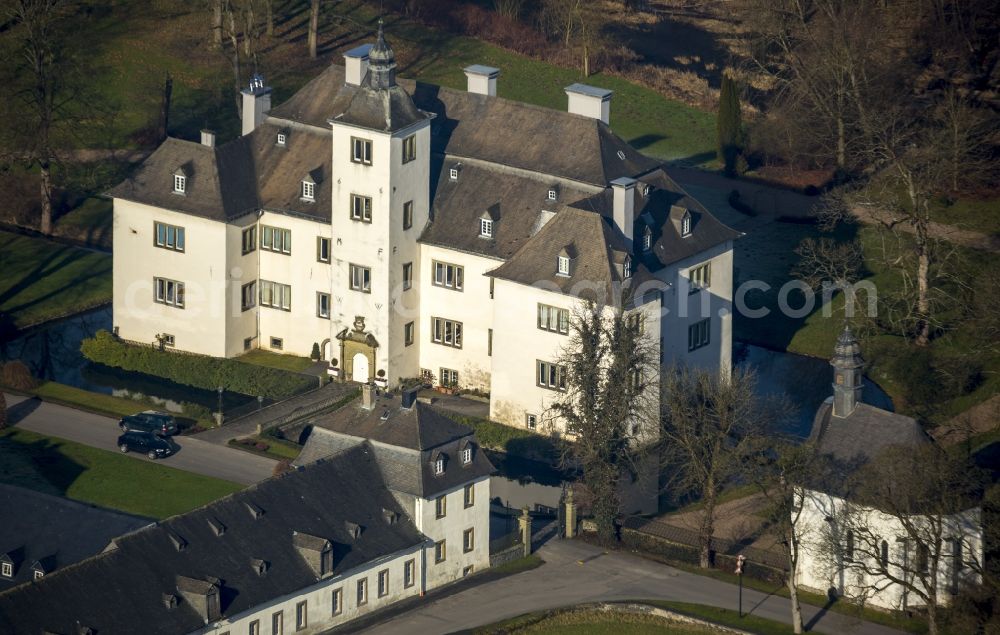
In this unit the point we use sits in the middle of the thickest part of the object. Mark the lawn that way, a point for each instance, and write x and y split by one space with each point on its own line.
103 478
261 357
586 621
41 280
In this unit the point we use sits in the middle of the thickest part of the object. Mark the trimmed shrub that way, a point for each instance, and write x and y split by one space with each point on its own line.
729 126
194 370
314 355
16 375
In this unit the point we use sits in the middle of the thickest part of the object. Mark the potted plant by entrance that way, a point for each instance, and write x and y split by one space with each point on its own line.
380 379
332 369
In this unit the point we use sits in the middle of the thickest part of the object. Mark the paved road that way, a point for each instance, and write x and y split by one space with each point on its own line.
576 572
200 457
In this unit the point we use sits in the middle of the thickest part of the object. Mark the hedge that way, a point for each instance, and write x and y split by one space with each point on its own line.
195 370
515 441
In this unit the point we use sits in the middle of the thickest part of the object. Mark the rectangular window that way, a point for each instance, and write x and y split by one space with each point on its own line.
361 278
408 334
699 334
361 150
254 627
551 376
248 296
276 239
277 343
180 183
553 319
277 623
301 616
449 377
440 552
489 343
409 148
249 241
322 304
440 507
168 236
562 266
309 190
322 249
469 496
361 208
362 591
637 322
486 228
383 583
167 339
337 603
247 343
531 421
169 292
448 275
407 214
468 540
491 287
281 138
409 573
446 332
700 278
7 570
275 295
407 275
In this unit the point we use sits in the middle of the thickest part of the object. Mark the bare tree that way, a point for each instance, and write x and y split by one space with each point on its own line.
313 27
269 13
508 8
912 521
216 6
825 260
709 426
605 372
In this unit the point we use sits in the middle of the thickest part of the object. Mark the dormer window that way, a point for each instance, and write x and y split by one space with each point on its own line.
38 573
282 138
7 569
553 195
180 183
308 190
647 239
467 455
562 266
627 268
686 225
439 466
486 228
453 174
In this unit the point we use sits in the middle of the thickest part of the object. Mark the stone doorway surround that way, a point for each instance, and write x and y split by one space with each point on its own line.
356 341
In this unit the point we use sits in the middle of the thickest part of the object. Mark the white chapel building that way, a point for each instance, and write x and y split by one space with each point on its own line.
414 230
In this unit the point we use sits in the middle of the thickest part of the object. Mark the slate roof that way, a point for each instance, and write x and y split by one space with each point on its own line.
122 590
405 443
54 530
388 110
516 204
862 435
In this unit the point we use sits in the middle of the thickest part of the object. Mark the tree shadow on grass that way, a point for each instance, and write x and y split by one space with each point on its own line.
36 463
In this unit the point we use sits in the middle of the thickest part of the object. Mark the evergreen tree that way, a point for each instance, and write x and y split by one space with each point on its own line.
729 125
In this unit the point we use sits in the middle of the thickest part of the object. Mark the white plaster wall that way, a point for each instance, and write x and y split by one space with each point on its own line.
241 269
320 598
300 327
472 307
450 529
820 570
199 327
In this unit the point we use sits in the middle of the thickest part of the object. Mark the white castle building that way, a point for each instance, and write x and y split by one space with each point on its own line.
414 230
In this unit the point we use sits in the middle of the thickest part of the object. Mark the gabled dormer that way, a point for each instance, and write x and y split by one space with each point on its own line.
487 222
180 184
8 566
647 239
467 452
317 552
308 192
564 261
439 463
202 596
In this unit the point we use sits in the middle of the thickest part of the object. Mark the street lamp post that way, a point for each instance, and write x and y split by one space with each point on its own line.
740 559
220 405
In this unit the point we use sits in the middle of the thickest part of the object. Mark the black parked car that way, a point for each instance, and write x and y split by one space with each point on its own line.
146 442
160 423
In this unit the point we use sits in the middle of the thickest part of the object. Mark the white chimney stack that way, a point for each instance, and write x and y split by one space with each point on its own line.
256 104
589 101
356 64
624 206
482 79
208 138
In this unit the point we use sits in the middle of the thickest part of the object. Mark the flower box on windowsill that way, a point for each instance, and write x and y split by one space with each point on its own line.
381 383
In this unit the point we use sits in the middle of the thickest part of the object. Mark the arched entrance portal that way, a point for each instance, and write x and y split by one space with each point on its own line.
359 368
326 350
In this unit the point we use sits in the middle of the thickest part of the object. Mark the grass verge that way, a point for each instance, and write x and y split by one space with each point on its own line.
268 447
42 280
520 565
260 357
61 467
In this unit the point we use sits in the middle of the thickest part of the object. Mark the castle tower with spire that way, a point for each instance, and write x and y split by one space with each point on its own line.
847 369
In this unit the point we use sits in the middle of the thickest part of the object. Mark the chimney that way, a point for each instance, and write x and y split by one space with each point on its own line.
409 397
208 138
589 101
356 64
368 396
623 196
482 79
256 104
